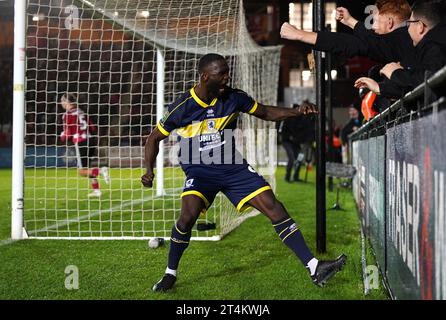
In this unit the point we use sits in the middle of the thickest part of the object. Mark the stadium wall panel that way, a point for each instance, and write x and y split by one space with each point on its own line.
400 193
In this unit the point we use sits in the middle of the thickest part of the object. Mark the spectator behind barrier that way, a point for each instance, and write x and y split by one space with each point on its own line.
389 42
427 30
353 124
336 155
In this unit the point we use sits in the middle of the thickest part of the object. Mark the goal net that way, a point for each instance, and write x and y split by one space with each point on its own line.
126 61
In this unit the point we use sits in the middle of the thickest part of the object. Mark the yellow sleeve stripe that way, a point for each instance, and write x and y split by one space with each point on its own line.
254 108
242 202
163 131
198 194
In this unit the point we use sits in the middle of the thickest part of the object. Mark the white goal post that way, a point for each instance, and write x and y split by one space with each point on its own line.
18 119
125 61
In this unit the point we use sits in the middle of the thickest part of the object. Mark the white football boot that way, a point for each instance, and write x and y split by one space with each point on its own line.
105 175
96 193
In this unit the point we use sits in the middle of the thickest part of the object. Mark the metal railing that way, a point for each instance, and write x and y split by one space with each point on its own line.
427 89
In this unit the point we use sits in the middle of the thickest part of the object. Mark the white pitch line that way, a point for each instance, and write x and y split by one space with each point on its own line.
6 242
364 263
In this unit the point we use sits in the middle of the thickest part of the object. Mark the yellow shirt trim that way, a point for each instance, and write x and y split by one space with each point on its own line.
202 127
165 132
201 102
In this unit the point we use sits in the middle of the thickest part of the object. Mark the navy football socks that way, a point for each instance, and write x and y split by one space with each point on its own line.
179 241
289 233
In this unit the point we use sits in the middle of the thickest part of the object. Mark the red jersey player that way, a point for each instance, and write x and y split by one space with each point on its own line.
79 130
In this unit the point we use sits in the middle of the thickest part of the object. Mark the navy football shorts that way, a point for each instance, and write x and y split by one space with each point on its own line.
239 183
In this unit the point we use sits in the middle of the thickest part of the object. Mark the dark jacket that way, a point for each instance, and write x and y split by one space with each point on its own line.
431 57
348 128
394 46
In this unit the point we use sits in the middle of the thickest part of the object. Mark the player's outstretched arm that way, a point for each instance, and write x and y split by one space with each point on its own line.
150 152
290 32
270 113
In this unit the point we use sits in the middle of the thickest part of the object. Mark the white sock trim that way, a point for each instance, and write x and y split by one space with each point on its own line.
172 272
312 265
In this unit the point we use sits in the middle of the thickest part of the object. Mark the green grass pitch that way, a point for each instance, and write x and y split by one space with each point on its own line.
60 207
249 263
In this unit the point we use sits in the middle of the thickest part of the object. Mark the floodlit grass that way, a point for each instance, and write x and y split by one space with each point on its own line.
57 205
249 263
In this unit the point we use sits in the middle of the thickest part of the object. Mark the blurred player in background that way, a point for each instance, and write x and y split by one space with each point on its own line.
78 129
290 132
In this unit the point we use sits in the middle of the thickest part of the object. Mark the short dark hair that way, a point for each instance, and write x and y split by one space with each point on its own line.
430 12
207 59
70 97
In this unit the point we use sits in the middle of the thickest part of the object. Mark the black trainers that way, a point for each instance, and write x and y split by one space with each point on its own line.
327 269
166 283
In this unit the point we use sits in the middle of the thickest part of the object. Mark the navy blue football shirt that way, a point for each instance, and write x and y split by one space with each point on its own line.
206 130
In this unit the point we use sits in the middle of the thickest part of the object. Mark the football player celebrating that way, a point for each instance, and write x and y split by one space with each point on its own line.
79 130
205 118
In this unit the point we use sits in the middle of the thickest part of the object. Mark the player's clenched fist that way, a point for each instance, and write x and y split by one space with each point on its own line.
147 179
343 16
290 32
